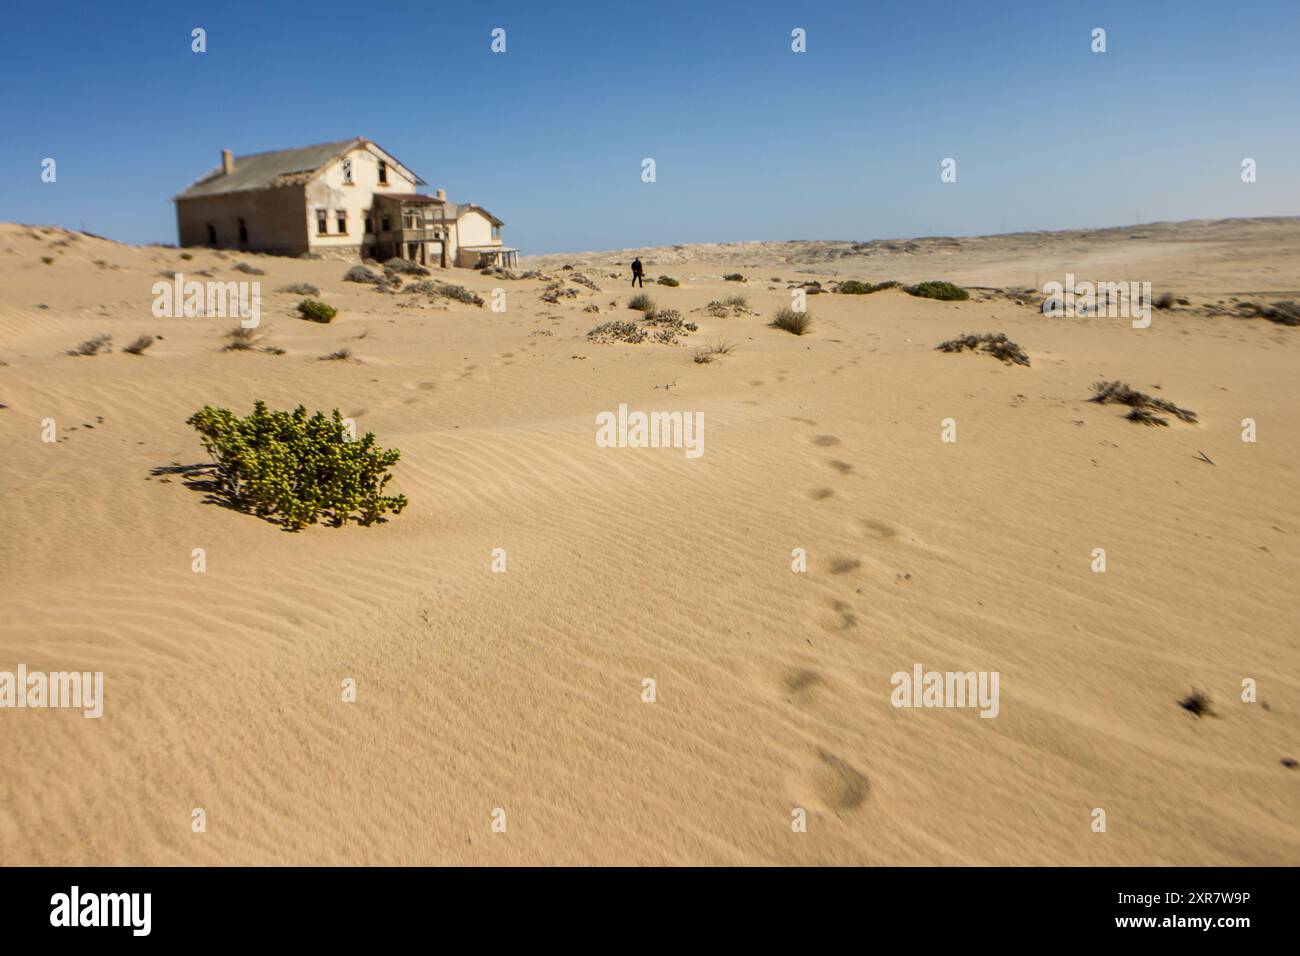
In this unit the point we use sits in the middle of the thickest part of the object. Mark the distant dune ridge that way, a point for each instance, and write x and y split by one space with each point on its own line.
632 655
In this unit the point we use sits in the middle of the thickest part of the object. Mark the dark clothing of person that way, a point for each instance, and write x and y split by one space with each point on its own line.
637 273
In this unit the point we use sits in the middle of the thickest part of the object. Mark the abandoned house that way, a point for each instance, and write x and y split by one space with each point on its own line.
349 199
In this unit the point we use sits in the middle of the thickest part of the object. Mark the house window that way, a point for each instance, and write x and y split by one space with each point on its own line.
243 232
496 232
322 222
343 222
383 172
385 224
347 171
212 234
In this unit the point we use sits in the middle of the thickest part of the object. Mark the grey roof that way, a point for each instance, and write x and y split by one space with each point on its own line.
263 170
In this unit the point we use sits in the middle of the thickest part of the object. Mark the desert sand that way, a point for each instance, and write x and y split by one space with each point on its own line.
522 690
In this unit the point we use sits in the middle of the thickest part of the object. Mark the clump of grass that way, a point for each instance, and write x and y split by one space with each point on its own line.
47 259
706 355
937 289
616 331
1144 417
187 256
668 324
139 345
341 355
736 302
1283 313
299 288
93 346
997 345
1165 300
642 303
1118 393
1198 702
668 281
460 294
247 269
241 339
315 311
788 320
734 277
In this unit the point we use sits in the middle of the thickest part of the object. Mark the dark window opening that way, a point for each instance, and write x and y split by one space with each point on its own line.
322 222
243 232
212 234
343 222
383 172
385 224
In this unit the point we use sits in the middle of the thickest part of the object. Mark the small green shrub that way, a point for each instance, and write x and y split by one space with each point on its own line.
187 256
316 311
788 320
734 277
668 281
48 260
642 303
945 291
288 466
854 287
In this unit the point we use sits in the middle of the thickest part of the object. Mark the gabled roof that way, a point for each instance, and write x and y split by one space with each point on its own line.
280 167
470 206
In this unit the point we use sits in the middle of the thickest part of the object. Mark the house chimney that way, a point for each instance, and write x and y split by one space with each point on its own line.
227 162
442 195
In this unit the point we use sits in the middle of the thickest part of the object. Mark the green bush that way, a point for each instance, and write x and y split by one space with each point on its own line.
854 287
734 277
668 281
316 311
939 290
296 468
642 303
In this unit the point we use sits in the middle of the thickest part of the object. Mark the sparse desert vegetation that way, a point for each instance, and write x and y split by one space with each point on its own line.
788 320
93 346
995 344
139 345
1143 405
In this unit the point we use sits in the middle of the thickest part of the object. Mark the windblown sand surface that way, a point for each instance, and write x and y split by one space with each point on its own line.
523 690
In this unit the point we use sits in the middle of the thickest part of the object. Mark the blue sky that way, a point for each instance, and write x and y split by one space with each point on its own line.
750 140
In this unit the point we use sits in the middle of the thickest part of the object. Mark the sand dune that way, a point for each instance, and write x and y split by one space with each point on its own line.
523 690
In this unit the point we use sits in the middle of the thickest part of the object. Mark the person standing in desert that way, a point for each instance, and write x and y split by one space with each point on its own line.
637 273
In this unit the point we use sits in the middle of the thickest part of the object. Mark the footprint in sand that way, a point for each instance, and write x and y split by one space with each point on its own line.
800 684
879 529
837 784
844 565
825 441
846 620
820 494
804 421
843 467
